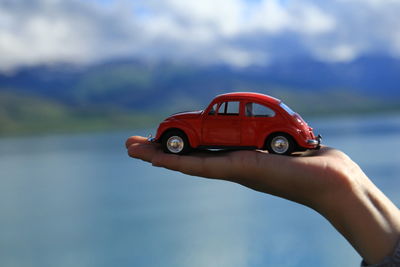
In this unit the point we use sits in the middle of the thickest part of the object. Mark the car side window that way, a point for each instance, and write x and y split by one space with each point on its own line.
213 109
230 108
257 110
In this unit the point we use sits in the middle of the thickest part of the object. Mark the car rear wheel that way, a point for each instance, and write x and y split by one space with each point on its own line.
175 142
281 144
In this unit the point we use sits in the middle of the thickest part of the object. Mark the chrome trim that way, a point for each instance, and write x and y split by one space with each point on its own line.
280 144
150 138
316 142
312 142
175 144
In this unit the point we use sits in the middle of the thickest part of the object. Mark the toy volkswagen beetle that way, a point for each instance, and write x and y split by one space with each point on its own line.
238 121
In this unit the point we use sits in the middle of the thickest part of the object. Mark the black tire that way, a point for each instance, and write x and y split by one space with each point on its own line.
280 143
175 142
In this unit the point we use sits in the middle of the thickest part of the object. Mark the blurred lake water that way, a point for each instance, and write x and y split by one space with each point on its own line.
79 200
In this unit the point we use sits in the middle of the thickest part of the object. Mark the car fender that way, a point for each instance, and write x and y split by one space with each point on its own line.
293 132
182 126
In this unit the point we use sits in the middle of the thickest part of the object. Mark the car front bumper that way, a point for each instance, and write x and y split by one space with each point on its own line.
315 142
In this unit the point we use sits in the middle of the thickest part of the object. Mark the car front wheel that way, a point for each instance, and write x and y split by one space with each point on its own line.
175 142
281 144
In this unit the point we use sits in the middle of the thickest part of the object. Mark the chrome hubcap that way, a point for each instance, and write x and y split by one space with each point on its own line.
175 144
280 144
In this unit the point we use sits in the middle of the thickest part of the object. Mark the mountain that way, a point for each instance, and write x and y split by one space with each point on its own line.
128 87
130 83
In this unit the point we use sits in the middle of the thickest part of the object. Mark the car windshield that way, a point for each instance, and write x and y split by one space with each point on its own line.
287 109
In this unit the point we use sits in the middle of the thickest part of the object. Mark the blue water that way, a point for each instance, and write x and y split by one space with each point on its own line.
78 200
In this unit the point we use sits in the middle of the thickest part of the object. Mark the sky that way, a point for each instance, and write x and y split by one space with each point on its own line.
239 33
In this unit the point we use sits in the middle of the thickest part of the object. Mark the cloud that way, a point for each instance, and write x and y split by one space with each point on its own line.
235 32
48 31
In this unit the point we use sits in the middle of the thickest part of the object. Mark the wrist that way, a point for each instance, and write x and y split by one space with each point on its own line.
362 214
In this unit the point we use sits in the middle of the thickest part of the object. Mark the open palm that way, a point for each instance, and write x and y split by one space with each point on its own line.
303 178
326 180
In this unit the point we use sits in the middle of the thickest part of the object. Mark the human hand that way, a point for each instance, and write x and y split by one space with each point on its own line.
304 178
326 180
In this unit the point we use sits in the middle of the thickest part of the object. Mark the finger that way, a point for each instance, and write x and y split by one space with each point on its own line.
278 175
235 166
136 139
289 177
143 151
323 152
217 166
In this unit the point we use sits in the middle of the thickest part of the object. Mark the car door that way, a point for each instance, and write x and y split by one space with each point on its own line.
258 119
221 126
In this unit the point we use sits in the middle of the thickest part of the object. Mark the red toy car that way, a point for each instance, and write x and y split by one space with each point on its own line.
238 121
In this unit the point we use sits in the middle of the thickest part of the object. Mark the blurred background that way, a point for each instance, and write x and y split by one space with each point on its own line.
78 77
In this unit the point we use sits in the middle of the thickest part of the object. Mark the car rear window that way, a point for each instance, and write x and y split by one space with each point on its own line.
258 110
287 109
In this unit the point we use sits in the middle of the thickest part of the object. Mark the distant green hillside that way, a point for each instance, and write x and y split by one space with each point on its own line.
22 114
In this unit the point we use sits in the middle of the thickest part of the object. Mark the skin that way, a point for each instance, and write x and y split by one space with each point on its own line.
326 180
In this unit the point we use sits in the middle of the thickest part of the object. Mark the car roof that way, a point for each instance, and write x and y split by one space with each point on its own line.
250 96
